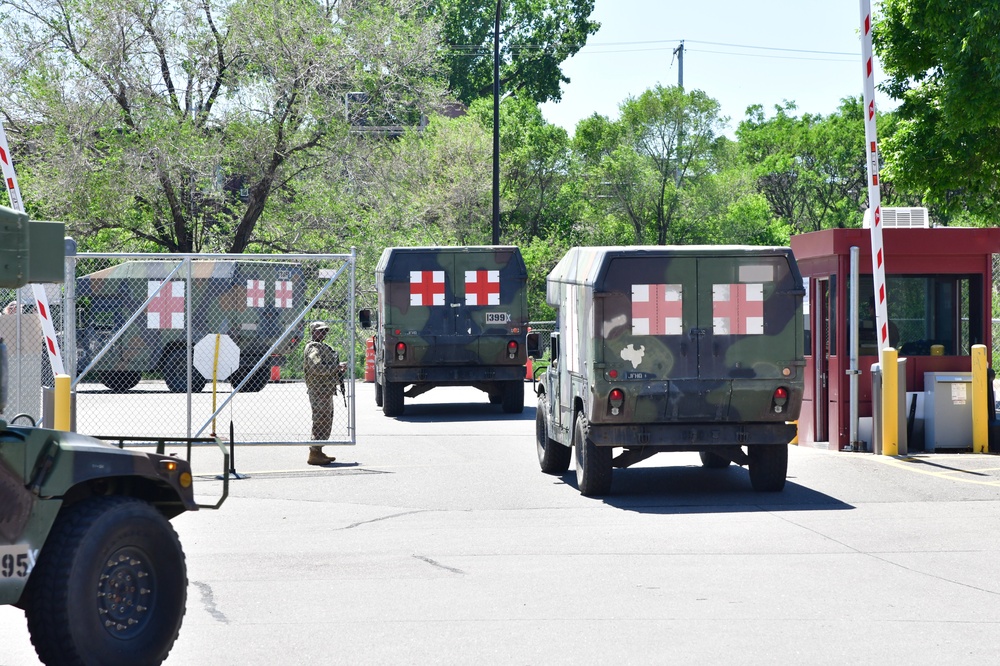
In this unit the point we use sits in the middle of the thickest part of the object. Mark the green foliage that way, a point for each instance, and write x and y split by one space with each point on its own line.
179 122
540 257
943 63
638 166
536 36
811 169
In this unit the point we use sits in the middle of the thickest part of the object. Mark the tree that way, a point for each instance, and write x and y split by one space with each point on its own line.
174 124
535 158
943 63
812 169
536 36
663 141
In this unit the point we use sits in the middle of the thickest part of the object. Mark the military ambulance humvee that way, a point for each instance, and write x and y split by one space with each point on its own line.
672 349
254 303
450 316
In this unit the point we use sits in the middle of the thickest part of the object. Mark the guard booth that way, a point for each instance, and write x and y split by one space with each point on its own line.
939 292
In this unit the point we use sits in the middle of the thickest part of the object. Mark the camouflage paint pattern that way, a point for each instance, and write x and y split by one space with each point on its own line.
224 302
40 469
697 338
456 309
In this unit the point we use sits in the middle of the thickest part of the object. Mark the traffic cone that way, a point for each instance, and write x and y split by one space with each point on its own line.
528 374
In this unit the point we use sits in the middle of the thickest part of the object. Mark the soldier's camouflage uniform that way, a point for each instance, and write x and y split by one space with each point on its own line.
322 372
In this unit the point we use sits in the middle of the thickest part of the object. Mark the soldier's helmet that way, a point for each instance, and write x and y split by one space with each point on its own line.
317 326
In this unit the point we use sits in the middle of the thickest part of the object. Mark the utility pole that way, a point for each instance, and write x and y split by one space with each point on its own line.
679 52
496 128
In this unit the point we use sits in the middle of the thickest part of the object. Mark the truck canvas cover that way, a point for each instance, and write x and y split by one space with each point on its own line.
453 305
695 328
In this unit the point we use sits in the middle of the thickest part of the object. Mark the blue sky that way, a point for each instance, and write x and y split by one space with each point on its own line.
738 52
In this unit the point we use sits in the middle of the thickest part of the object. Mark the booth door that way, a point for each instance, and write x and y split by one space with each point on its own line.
821 358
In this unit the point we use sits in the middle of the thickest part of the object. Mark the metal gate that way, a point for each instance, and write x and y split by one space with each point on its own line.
195 344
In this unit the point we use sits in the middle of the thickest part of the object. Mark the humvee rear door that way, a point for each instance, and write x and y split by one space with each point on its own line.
650 316
747 309
455 302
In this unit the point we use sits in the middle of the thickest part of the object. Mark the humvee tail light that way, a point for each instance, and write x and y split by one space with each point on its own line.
400 350
613 374
512 348
616 399
780 399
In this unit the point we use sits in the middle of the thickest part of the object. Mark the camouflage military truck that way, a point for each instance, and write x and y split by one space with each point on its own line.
672 349
254 303
450 316
86 549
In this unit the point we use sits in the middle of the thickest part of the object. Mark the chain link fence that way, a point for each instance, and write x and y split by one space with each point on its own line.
188 345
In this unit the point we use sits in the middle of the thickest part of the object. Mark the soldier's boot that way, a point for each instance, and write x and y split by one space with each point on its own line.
317 457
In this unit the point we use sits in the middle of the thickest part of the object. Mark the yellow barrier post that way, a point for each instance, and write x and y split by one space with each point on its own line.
890 398
980 429
61 404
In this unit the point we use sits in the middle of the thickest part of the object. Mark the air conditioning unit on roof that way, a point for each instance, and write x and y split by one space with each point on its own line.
902 218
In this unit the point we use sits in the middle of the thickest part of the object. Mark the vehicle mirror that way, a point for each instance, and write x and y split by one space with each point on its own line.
365 318
532 343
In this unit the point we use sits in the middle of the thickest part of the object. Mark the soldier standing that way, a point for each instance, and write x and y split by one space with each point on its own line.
323 372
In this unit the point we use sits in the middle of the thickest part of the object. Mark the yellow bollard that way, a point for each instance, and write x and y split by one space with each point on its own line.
890 407
980 429
61 404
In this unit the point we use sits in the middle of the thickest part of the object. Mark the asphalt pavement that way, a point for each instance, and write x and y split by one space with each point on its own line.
437 540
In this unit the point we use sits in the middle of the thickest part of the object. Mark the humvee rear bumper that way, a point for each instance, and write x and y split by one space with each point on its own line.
691 436
455 375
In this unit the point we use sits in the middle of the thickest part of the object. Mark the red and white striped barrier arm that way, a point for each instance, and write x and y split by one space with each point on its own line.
874 194
41 300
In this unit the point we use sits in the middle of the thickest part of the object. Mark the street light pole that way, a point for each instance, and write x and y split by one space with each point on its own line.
496 128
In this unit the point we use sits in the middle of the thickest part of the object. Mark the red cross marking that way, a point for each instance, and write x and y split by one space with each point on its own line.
738 309
426 288
656 309
166 310
255 293
482 287
283 294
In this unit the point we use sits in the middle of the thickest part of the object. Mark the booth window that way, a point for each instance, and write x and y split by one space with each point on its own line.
928 314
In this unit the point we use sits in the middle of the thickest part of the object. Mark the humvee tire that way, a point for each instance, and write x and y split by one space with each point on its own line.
119 381
553 457
110 585
255 384
713 460
378 394
175 374
768 467
512 397
392 400
496 397
593 463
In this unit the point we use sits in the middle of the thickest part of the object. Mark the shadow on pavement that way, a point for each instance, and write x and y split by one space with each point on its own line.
460 411
695 489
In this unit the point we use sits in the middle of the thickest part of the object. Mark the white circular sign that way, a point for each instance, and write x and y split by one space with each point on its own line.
205 356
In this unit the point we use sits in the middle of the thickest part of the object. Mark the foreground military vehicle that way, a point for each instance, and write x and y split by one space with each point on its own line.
672 349
86 549
450 316
253 303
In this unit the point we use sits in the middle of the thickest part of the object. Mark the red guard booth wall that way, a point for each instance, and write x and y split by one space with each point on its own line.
941 280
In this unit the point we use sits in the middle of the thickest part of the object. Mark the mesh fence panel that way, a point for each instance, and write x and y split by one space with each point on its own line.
184 345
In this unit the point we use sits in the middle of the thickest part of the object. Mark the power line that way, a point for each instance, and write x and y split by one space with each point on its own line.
762 55
668 44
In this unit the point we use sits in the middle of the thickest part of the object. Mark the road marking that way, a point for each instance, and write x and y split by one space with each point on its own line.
906 462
